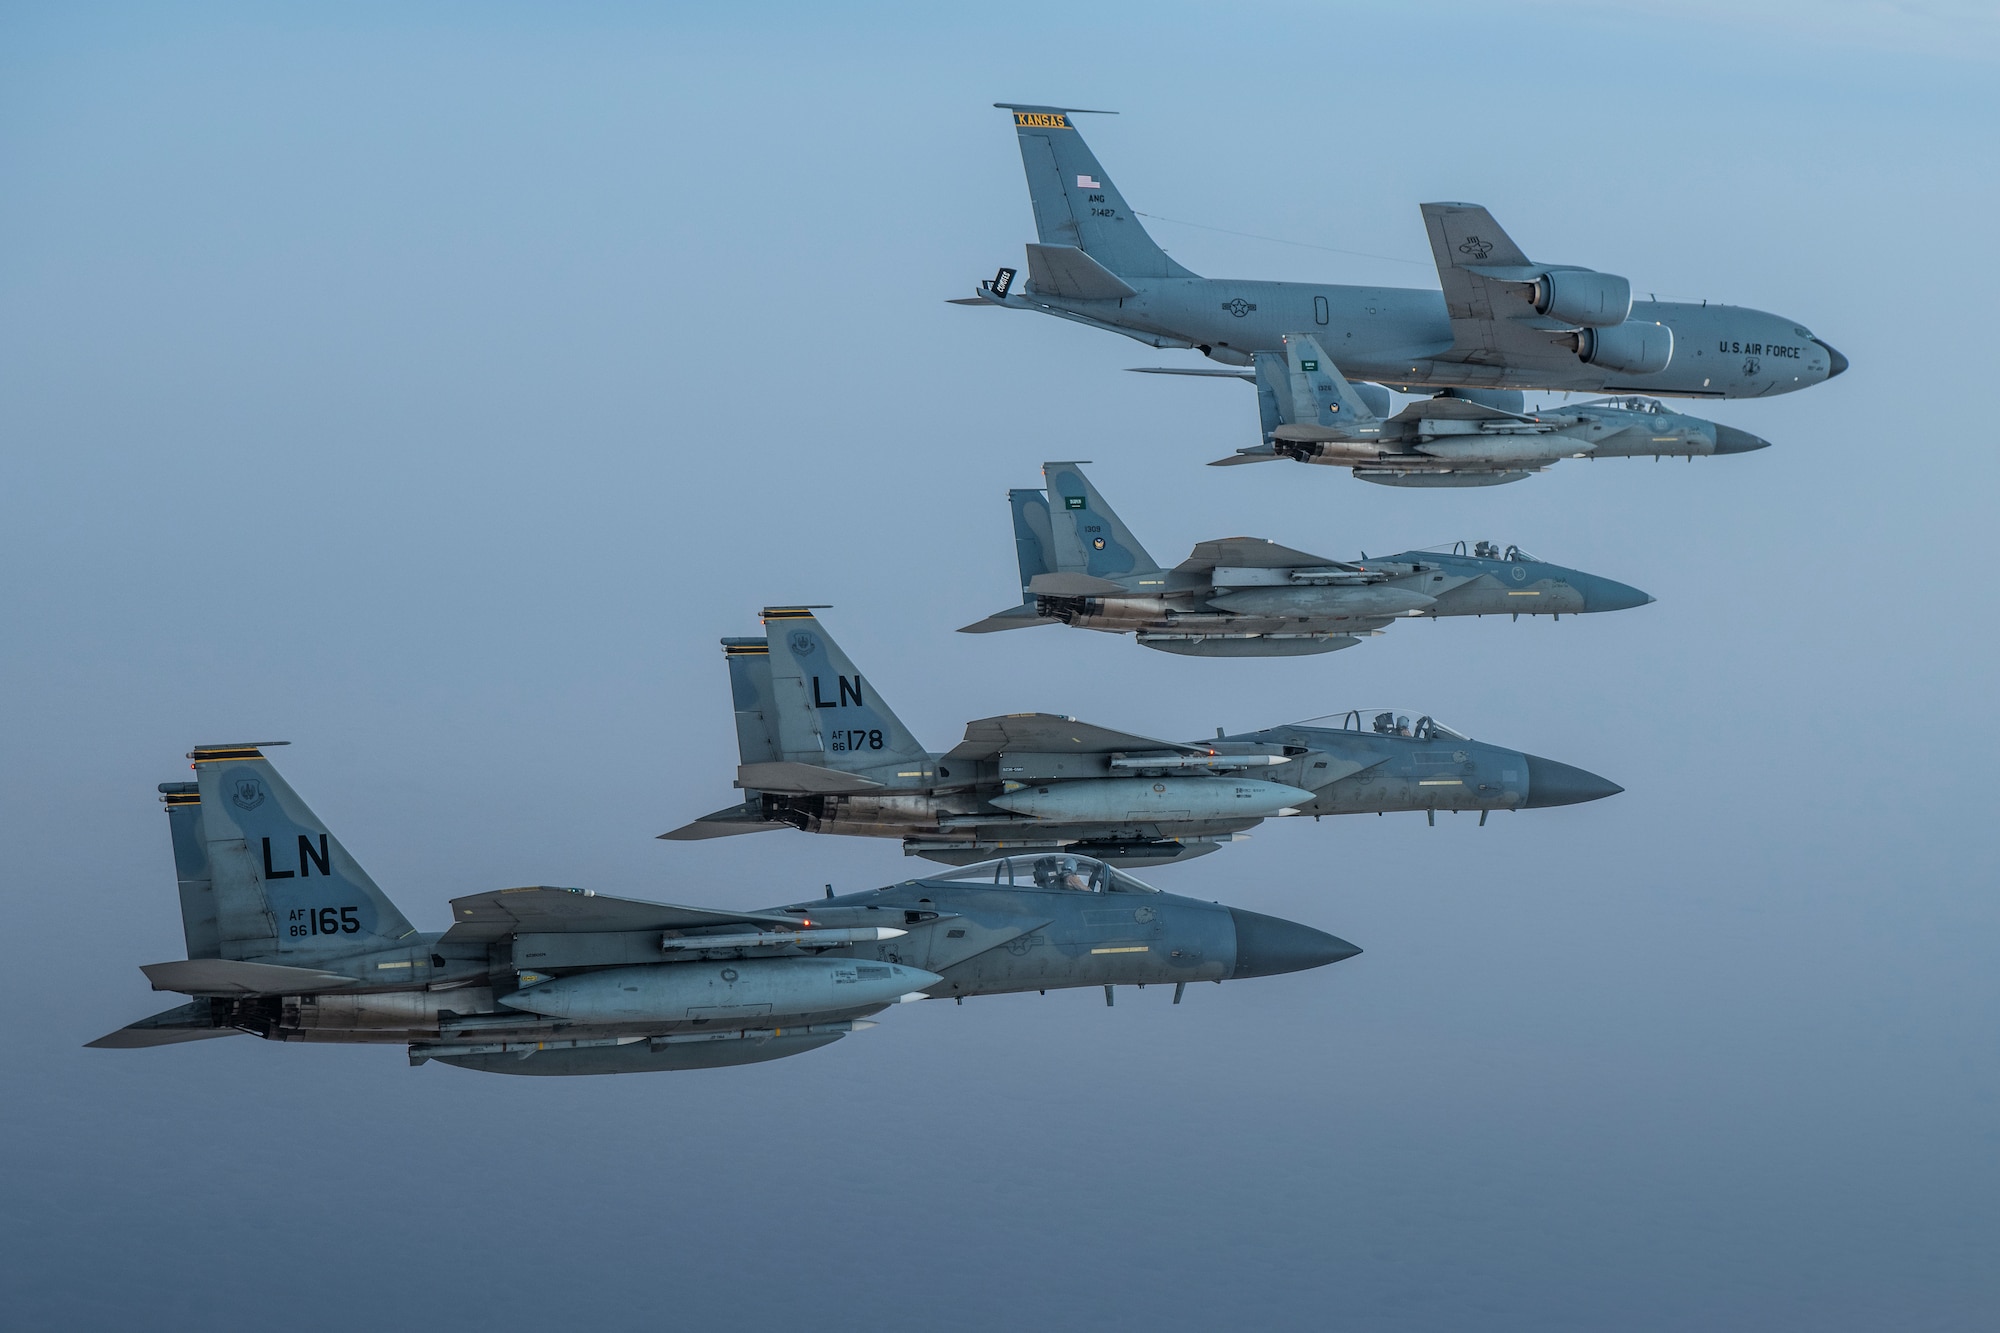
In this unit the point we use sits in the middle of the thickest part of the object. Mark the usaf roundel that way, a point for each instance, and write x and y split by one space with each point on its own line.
802 643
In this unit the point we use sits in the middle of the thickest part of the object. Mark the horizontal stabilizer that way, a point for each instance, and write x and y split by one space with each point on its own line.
744 818
796 777
1209 372
187 1022
1253 553
1074 585
1014 617
990 736
1064 270
230 976
550 911
1261 453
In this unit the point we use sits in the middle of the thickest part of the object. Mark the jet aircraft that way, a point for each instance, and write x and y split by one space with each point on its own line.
821 752
1502 320
289 939
1311 414
1247 597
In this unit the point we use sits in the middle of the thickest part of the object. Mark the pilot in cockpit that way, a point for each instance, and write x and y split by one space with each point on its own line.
1060 872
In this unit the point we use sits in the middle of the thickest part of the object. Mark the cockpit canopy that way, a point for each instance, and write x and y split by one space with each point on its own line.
1050 870
1650 406
1387 722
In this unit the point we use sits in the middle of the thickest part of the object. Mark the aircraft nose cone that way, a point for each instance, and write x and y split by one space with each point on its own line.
1608 595
1551 783
1268 945
1835 362
1729 440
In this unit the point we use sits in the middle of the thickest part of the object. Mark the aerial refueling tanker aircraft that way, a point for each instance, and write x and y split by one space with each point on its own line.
290 940
821 752
1311 414
1247 597
1502 321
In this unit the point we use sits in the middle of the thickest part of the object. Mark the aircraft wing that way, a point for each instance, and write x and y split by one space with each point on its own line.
1485 277
541 910
1251 553
1205 371
991 736
1457 409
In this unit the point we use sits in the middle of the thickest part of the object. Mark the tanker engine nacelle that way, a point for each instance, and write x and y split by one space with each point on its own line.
1584 296
1634 347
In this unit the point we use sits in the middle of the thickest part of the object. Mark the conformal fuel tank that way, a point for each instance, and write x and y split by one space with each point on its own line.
709 991
1117 800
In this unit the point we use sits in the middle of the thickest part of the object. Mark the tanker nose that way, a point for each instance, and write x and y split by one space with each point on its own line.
1268 945
1835 362
1729 440
1551 783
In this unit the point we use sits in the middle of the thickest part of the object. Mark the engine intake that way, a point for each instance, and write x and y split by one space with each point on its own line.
1584 296
1634 347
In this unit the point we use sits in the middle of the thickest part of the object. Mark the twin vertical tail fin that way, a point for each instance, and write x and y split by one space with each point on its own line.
1088 537
1075 202
1313 392
827 716
260 876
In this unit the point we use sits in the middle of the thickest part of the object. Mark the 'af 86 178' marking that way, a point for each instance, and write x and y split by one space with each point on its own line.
854 740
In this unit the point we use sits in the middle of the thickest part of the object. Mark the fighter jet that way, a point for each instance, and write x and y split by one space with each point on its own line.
1311 414
821 752
290 940
1247 597
1502 321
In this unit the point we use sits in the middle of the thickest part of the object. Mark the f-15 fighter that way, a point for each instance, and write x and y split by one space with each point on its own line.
290 940
822 752
1462 437
1247 597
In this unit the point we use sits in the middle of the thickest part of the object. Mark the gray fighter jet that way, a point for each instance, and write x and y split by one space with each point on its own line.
1311 414
290 940
822 752
1502 320
1247 597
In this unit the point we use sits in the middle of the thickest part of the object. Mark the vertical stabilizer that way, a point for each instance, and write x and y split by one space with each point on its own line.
750 692
1034 542
1319 395
1075 201
283 887
1088 537
183 802
827 714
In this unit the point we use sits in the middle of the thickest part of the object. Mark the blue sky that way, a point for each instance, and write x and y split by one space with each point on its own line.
432 385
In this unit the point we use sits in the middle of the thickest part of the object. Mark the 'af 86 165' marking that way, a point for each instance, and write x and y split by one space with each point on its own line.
305 921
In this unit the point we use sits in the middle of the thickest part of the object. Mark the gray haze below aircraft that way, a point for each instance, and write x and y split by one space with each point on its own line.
290 940
1247 597
821 752
1311 414
1502 320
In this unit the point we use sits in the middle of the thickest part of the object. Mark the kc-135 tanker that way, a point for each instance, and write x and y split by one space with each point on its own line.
1247 597
1502 321
290 940
822 752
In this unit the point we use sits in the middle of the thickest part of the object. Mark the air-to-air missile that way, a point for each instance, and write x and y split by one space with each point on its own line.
290 940
822 752
1246 597
1501 320
1461 437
